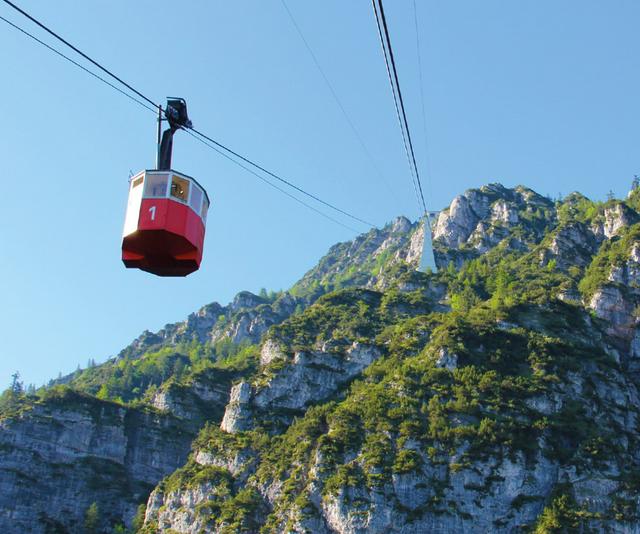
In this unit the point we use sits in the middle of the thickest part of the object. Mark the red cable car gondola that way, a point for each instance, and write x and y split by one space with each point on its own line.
166 212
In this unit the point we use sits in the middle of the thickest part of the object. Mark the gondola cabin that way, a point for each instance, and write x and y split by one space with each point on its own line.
165 223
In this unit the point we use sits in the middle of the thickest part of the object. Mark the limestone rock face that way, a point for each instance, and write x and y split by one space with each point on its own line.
481 218
500 493
414 252
496 494
610 303
505 213
164 401
102 452
270 351
628 273
246 319
236 464
237 415
176 511
269 453
245 299
455 227
201 323
616 217
447 360
200 401
313 376
572 245
475 512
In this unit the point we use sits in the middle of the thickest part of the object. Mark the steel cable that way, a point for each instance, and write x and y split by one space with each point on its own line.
156 107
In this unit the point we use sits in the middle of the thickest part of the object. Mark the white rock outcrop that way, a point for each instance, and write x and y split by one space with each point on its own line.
237 415
312 376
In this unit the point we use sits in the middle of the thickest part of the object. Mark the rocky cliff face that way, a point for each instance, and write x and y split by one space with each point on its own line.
498 395
401 453
245 319
63 454
480 218
314 376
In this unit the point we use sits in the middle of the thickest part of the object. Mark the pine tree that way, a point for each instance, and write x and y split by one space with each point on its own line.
138 520
10 397
16 385
92 519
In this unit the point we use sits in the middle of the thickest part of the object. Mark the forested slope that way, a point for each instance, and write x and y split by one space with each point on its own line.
496 395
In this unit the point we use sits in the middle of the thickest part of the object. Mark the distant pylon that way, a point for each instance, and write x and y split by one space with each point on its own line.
427 260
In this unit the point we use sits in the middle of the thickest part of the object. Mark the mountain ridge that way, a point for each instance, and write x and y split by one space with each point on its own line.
371 397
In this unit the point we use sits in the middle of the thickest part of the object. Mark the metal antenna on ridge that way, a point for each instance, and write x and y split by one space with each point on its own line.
427 259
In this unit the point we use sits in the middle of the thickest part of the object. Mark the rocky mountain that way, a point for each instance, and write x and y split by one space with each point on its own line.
497 395
70 450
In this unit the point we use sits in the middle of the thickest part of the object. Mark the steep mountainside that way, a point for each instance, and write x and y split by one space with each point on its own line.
497 395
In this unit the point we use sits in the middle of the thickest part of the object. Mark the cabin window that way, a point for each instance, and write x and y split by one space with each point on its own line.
205 208
156 186
180 188
137 182
196 198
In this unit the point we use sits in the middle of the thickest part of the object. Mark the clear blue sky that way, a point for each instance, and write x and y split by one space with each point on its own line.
543 93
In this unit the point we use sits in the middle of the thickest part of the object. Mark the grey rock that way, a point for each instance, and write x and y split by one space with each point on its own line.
238 415
446 360
58 459
313 376
610 303
270 351
616 217
573 244
455 225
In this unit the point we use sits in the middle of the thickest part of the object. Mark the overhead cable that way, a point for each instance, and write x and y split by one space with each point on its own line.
55 51
104 69
392 71
335 96
157 106
397 106
424 111
192 133
279 178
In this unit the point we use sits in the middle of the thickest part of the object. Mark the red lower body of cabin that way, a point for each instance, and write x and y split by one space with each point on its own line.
168 240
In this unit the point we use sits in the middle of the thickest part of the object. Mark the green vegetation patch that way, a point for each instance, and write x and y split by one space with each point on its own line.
348 315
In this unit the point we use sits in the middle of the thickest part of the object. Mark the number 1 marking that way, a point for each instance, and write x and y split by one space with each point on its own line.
152 210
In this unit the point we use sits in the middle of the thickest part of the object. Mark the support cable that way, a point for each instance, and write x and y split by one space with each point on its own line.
104 69
335 96
392 71
193 133
404 114
55 51
422 99
279 178
155 108
395 101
